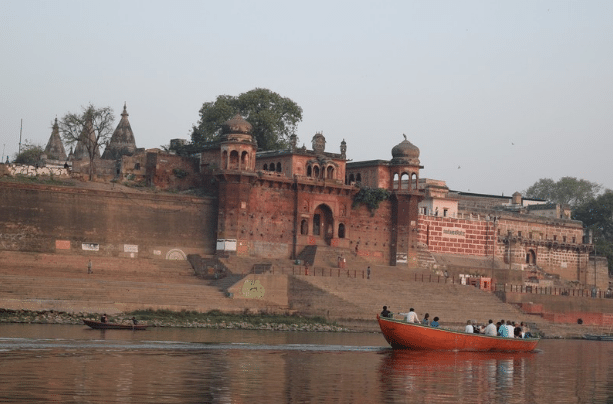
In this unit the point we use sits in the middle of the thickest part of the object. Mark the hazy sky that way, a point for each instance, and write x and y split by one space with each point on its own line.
495 94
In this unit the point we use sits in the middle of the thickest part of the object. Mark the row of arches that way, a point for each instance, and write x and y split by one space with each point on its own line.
315 171
405 181
272 167
235 160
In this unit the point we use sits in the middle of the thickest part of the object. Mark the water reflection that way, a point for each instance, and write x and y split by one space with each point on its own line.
178 366
447 376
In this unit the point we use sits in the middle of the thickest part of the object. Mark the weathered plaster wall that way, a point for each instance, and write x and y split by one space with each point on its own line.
56 219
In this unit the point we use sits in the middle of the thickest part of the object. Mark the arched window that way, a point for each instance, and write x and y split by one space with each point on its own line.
304 227
272 167
278 167
330 172
233 165
245 160
341 230
316 171
309 171
395 182
351 178
404 181
265 167
414 181
358 177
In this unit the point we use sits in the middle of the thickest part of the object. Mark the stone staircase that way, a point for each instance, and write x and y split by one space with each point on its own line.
34 281
60 282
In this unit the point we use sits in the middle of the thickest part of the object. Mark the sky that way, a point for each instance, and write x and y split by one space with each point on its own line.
496 95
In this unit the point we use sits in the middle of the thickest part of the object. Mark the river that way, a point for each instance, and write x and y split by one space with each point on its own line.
74 364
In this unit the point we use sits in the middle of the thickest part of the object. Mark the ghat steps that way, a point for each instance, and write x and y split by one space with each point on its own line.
36 281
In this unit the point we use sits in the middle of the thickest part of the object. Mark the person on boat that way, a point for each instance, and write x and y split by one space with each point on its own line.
503 331
426 320
517 331
104 318
511 328
490 329
134 320
434 322
386 312
411 316
469 327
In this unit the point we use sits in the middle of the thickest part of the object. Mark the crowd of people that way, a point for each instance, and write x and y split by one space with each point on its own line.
507 329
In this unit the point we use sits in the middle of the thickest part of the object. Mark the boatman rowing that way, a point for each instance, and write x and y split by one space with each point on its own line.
411 316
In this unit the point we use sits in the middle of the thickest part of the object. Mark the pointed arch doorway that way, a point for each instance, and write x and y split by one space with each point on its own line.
323 223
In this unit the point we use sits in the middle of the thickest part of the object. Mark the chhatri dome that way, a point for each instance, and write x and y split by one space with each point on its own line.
236 125
405 152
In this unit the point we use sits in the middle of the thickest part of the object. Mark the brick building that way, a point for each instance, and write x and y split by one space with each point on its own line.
275 203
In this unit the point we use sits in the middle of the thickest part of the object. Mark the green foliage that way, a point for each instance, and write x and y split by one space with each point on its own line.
370 197
30 154
274 118
597 215
216 316
567 191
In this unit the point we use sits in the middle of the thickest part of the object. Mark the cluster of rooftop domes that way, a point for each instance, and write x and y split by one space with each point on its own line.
405 152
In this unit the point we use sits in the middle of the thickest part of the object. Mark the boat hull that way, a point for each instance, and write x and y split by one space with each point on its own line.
98 325
402 335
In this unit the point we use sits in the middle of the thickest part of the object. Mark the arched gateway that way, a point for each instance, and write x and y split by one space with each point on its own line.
323 223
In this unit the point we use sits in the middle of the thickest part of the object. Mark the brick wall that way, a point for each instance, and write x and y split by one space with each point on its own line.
61 219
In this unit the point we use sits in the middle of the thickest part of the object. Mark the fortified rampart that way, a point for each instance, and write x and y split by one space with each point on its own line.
44 218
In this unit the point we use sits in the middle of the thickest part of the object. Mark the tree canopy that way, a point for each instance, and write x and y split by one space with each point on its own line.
30 154
92 127
567 191
597 215
274 118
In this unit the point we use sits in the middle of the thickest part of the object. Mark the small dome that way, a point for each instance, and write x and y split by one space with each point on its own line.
405 150
236 125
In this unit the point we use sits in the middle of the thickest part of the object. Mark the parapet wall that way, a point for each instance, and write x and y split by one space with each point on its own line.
43 218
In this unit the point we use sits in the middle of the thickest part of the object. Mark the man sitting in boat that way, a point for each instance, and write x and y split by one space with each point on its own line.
434 322
386 312
104 318
469 327
411 316
490 329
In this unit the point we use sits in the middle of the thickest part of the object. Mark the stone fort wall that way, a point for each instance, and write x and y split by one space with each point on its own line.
517 240
42 218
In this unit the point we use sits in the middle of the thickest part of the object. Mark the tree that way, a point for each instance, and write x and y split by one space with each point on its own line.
30 154
274 118
567 191
92 128
597 215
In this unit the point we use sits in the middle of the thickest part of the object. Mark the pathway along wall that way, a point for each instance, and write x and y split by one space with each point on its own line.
43 218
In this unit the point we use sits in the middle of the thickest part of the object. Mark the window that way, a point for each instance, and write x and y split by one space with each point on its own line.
341 230
304 227
316 224
445 212
265 167
278 167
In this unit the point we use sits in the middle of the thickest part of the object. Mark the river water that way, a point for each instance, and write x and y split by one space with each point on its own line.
74 364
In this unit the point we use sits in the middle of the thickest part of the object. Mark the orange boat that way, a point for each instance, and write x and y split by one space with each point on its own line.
402 335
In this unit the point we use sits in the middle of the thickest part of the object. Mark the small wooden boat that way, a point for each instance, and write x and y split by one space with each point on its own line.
599 337
99 325
402 335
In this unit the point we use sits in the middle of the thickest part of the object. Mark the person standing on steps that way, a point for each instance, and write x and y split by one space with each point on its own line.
89 267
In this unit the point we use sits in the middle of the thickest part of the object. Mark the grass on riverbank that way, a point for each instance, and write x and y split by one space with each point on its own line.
219 317
191 319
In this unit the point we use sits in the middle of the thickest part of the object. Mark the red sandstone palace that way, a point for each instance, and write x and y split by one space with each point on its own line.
273 204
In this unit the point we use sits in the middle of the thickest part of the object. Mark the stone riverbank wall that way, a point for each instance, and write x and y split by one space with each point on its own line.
41 218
